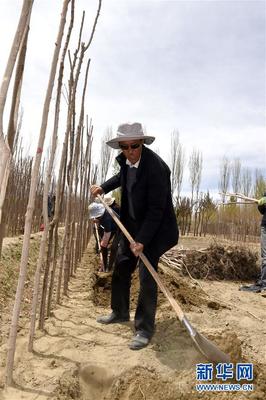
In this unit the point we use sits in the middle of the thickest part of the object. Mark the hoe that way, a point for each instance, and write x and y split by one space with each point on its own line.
205 346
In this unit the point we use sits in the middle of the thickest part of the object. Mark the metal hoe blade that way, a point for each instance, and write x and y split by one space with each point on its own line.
205 346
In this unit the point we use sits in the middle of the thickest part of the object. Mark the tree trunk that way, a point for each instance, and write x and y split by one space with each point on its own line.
47 227
66 258
45 281
52 278
31 201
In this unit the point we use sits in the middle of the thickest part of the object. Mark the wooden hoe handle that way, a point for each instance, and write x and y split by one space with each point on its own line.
146 262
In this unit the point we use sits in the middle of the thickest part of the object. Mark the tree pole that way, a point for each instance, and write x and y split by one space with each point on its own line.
31 201
47 184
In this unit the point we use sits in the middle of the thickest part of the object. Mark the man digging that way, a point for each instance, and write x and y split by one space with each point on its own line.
148 214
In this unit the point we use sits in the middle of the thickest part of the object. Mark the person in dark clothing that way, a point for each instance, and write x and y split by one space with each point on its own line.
100 231
50 209
260 284
51 205
148 214
109 237
107 231
96 211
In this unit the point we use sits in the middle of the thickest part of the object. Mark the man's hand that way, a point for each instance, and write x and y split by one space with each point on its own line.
95 190
105 239
136 248
262 201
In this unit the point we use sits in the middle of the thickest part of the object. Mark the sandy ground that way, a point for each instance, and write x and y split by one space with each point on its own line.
77 358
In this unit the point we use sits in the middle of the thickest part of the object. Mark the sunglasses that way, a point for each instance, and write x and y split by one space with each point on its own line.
133 146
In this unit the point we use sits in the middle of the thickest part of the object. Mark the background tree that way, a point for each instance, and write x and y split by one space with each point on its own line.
184 215
224 177
195 172
246 182
106 154
94 174
176 165
236 175
260 184
117 192
19 42
208 210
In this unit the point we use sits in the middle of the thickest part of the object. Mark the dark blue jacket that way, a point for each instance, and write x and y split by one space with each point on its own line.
107 222
152 202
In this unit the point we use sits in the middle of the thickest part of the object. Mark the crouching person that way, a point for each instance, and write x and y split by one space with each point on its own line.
105 231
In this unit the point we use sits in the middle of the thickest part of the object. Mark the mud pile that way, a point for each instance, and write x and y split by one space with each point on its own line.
142 383
68 387
146 382
182 290
222 262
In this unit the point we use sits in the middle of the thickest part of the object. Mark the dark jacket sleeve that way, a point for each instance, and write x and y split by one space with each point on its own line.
158 187
112 183
107 222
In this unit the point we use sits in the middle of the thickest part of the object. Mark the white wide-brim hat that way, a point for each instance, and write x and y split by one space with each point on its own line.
127 132
96 210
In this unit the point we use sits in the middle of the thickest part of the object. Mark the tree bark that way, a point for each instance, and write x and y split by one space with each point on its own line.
47 225
31 201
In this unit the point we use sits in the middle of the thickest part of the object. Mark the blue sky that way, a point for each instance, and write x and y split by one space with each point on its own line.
195 66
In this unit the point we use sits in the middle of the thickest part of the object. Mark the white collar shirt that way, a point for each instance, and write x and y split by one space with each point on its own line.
136 165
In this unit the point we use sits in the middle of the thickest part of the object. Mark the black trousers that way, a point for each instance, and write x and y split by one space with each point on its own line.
125 265
113 250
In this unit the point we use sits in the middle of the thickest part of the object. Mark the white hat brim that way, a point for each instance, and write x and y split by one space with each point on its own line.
114 143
